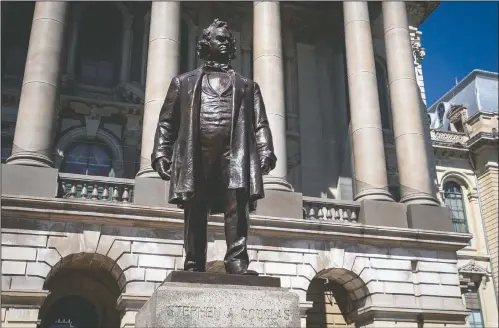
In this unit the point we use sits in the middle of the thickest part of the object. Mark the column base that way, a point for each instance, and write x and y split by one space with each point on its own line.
30 159
419 199
147 172
276 183
374 194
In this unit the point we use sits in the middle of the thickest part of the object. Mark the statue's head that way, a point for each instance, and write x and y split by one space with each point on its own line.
217 43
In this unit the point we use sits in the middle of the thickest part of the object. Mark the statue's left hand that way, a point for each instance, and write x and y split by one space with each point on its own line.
266 165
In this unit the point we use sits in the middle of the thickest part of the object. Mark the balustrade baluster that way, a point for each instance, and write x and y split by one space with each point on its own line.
116 194
84 191
337 215
345 214
126 195
105 192
353 217
320 214
95 191
72 192
329 215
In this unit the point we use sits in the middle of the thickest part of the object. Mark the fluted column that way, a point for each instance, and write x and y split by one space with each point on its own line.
162 67
412 159
366 132
268 73
37 106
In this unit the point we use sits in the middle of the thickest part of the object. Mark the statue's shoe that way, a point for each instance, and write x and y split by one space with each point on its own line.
239 267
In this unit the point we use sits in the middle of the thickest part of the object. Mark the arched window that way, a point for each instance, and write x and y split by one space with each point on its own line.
98 53
454 200
440 113
88 158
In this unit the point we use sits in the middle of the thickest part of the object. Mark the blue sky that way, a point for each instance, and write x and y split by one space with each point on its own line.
458 37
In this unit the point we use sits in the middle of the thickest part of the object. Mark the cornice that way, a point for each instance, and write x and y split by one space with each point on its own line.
130 215
419 11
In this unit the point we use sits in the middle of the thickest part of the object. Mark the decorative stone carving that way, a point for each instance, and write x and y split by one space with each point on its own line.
448 137
130 92
472 273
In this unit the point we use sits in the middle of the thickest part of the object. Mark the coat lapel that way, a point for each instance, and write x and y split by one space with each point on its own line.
196 79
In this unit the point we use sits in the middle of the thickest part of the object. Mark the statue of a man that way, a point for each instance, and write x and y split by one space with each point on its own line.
213 143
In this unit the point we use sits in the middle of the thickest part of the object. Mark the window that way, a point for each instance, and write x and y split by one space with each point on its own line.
454 200
472 301
458 125
440 113
88 158
98 53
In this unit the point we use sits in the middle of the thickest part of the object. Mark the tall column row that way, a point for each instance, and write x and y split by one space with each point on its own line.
37 109
367 135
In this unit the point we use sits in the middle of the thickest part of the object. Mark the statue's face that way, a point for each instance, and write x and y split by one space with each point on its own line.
220 44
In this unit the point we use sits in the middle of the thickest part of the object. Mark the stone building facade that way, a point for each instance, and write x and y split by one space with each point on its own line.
464 125
352 221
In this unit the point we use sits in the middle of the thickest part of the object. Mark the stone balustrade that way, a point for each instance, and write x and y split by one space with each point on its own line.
331 210
96 188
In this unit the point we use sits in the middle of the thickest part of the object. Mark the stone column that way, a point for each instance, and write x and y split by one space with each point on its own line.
366 133
126 48
412 159
37 106
162 66
268 73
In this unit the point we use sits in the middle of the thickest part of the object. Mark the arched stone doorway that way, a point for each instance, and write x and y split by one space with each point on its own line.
336 294
84 289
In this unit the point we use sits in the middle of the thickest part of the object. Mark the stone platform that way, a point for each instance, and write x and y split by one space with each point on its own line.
187 299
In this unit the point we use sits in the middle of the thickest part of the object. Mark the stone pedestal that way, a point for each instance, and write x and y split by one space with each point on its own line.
212 300
20 180
152 192
286 204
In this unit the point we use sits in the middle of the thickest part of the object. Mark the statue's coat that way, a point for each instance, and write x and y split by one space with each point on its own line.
177 137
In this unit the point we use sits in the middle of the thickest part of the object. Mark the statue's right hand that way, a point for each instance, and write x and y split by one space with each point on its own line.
163 167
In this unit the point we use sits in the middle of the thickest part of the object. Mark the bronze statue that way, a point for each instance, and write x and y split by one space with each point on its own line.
213 143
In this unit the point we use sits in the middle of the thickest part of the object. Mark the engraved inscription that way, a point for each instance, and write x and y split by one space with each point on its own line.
211 312
192 311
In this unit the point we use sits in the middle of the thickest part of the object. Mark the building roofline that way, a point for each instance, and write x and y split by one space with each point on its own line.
461 84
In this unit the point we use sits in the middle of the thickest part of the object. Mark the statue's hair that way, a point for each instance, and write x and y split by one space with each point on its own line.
203 46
